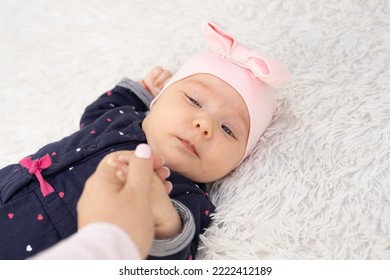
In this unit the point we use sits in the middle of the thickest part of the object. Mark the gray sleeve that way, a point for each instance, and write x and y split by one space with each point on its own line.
171 246
145 96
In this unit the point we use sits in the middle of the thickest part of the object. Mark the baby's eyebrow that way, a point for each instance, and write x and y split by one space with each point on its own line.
245 121
197 87
242 127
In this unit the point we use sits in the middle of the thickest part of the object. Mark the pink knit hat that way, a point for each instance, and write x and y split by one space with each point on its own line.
250 72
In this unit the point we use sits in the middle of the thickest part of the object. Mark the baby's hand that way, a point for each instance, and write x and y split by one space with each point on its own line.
120 161
167 222
156 79
166 219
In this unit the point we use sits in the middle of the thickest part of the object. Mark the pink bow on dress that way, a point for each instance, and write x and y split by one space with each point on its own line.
263 66
36 167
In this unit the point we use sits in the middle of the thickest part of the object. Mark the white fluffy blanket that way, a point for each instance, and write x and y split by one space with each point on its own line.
318 184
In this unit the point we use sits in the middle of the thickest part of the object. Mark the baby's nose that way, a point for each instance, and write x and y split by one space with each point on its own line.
204 127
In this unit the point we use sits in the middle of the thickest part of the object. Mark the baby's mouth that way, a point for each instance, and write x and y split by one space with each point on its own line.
189 146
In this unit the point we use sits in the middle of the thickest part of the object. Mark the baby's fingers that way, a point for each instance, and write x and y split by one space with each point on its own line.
120 166
163 78
168 186
156 79
158 161
163 173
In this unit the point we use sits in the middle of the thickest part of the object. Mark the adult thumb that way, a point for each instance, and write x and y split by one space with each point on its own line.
140 174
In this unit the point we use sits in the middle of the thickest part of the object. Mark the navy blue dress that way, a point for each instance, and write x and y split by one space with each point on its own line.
33 219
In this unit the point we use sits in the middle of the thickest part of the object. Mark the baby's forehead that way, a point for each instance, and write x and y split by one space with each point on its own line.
212 86
213 89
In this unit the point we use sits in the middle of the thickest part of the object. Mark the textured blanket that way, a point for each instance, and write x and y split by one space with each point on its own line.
317 185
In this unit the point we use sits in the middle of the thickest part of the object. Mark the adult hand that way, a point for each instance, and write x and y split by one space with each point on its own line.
108 198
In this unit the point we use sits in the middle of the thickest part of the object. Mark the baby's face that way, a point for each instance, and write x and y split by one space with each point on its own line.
200 125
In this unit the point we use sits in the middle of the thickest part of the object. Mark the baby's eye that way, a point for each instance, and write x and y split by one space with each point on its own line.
228 131
193 101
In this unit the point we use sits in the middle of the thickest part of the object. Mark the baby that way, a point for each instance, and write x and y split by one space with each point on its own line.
205 121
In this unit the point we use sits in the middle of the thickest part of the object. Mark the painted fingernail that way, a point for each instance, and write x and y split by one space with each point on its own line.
143 151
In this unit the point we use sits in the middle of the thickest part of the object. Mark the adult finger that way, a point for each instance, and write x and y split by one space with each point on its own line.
139 175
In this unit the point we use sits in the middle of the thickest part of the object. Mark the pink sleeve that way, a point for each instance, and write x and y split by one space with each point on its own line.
93 242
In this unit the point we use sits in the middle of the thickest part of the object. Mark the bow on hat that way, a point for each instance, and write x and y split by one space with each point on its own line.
263 66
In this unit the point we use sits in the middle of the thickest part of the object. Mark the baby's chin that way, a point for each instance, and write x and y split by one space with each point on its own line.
198 176
191 168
